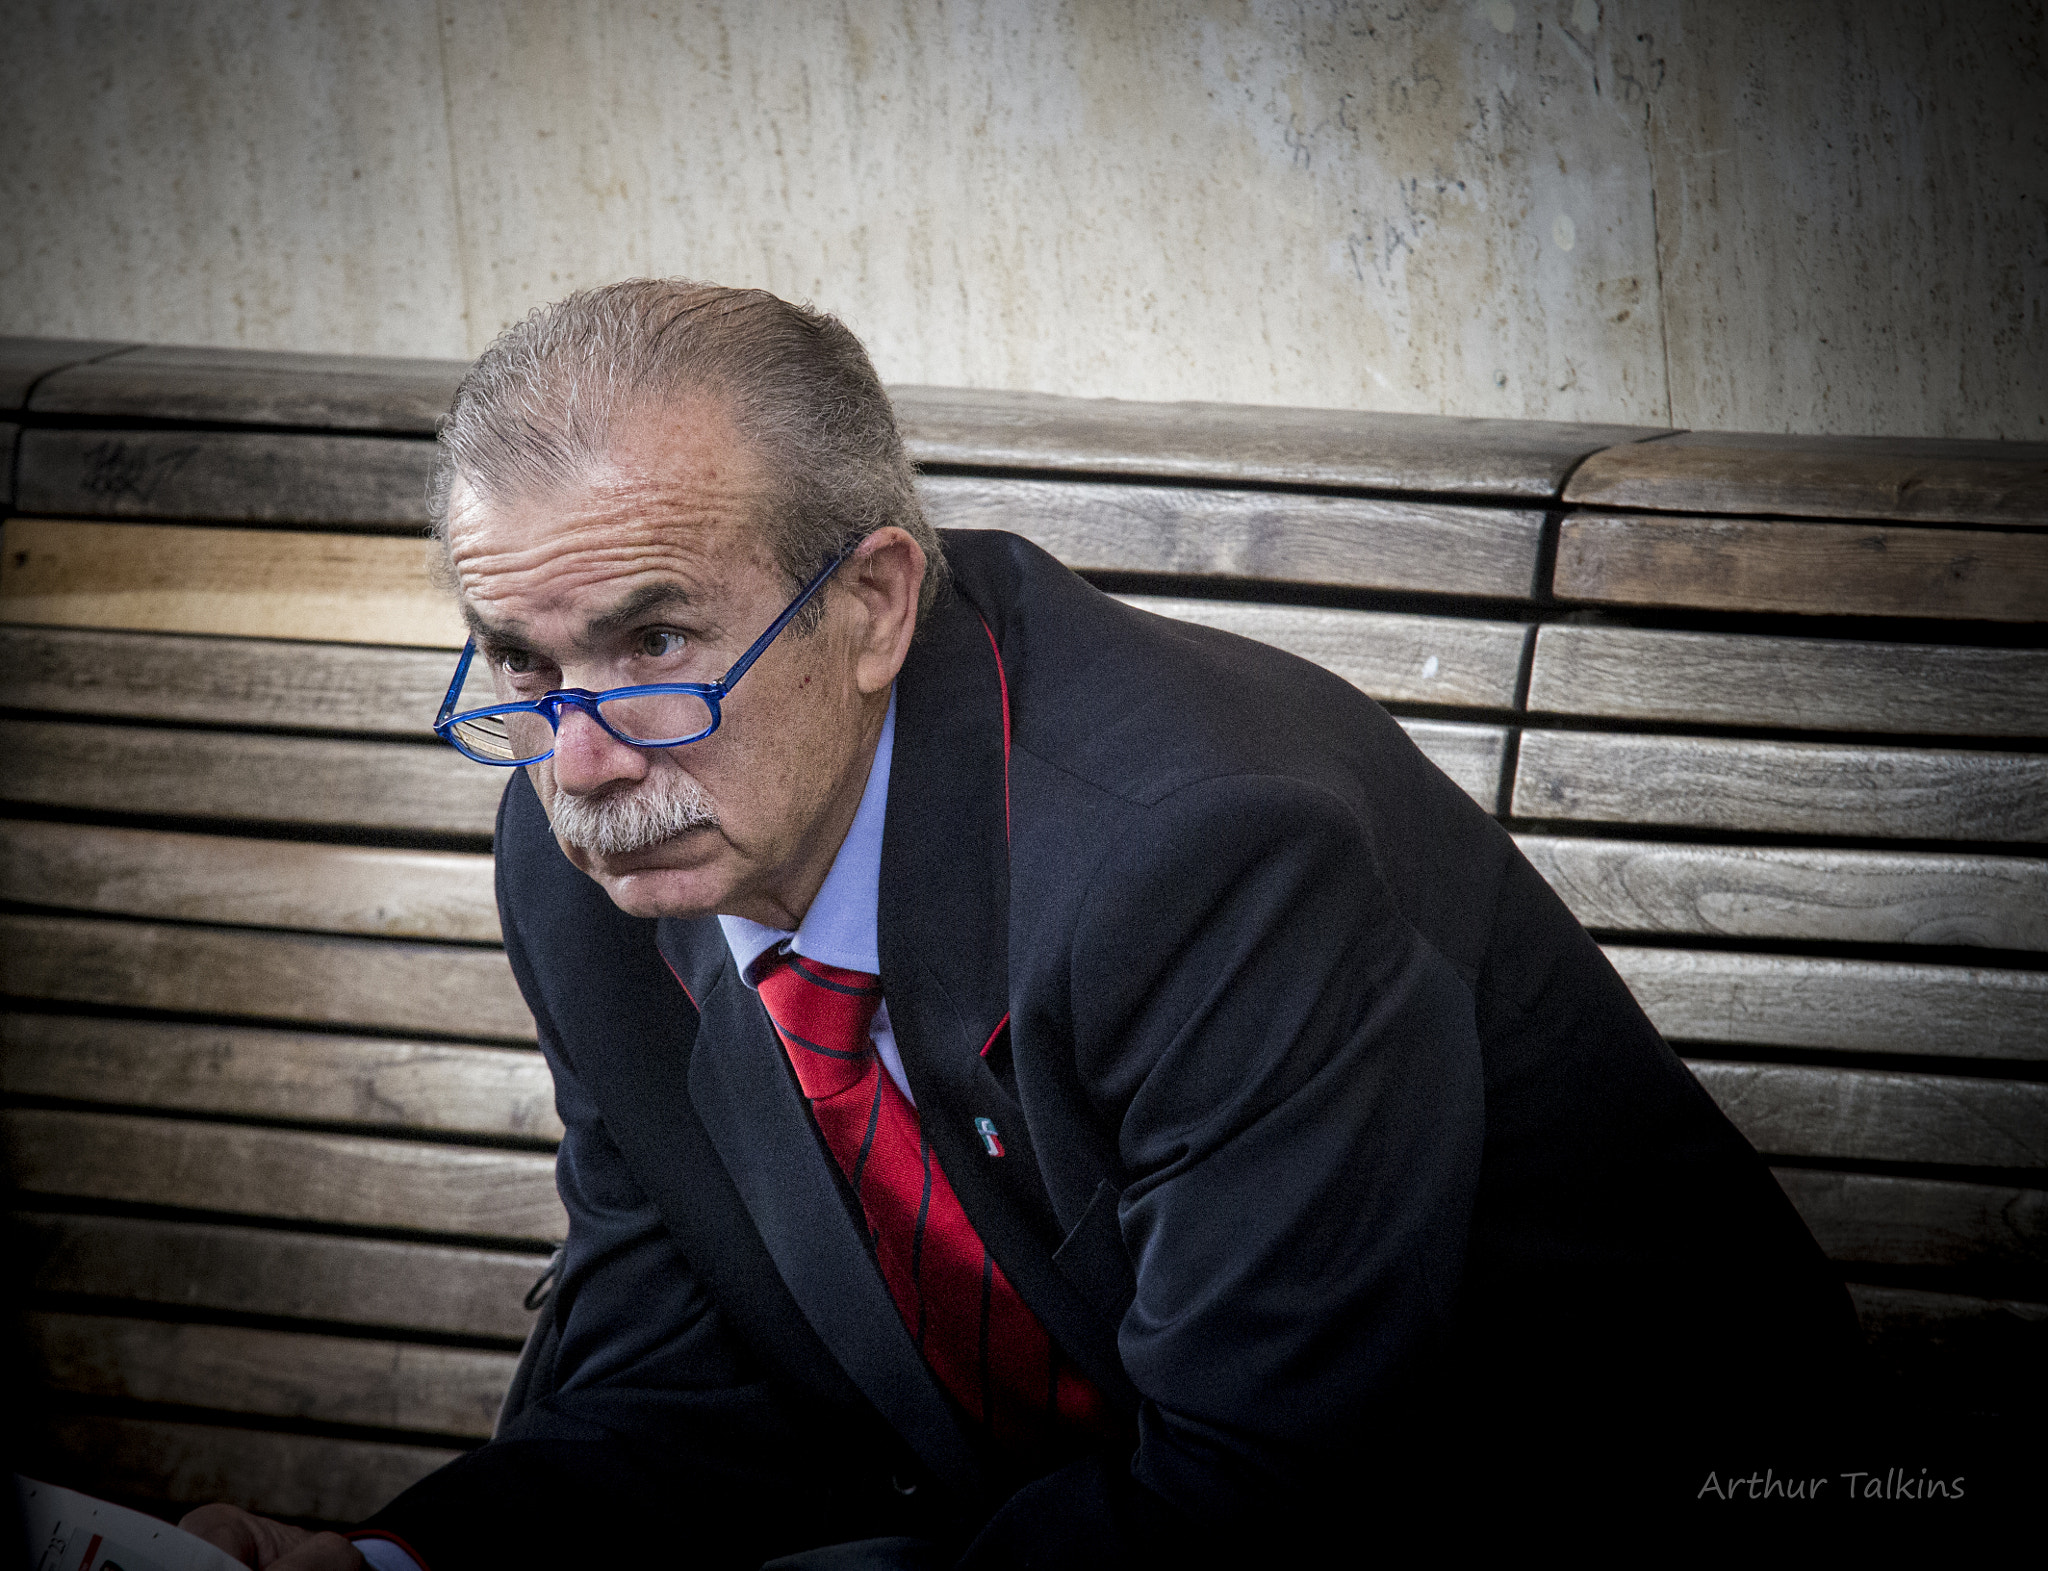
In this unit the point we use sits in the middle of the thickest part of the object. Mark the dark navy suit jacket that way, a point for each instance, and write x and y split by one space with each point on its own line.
1333 1149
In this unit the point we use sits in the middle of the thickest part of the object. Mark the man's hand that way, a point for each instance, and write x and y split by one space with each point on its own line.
271 1546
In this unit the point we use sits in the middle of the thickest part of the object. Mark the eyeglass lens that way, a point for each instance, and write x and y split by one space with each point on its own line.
649 717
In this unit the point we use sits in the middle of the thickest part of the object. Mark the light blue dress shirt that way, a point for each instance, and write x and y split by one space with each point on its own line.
840 927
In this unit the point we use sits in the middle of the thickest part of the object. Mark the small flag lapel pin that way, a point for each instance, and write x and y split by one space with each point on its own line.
990 1140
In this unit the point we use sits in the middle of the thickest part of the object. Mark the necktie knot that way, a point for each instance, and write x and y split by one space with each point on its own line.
822 1013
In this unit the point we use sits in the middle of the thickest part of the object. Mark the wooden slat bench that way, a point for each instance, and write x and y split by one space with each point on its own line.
1771 713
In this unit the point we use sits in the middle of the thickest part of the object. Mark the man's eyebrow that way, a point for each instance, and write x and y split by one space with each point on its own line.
642 600
487 631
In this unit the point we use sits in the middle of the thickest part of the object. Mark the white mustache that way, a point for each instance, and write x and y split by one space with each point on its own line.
623 822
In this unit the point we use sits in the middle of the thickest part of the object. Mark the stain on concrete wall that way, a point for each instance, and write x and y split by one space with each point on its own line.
1826 216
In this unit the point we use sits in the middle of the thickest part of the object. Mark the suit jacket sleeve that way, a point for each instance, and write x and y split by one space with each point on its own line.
653 1423
1294 1078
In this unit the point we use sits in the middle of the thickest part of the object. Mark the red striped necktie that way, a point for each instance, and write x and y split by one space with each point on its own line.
979 1337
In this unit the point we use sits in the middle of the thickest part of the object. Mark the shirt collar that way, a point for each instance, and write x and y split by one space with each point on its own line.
840 927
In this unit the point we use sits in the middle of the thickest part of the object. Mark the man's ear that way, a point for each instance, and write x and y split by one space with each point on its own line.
883 576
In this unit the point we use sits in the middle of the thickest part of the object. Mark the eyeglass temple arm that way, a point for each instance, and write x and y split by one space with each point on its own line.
725 683
455 687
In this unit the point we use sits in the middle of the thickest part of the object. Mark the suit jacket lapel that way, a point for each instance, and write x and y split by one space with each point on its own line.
756 1118
944 927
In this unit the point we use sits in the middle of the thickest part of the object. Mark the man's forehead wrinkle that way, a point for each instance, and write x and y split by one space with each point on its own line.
575 544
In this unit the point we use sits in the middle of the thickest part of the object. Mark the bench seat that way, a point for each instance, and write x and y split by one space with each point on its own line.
1768 712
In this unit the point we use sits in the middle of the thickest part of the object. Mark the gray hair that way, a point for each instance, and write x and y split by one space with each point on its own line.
543 402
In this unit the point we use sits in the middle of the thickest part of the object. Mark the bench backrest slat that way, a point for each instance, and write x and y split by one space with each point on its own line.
1936 481
393 788
317 1077
388 985
430 1289
400 1186
1811 569
1805 684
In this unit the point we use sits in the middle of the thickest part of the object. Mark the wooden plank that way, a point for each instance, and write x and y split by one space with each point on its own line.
990 429
293 1174
1822 477
1279 537
373 786
1870 897
1868 1006
1905 1312
451 1391
26 361
170 578
1788 1110
227 681
363 982
1746 564
440 1289
1397 659
1812 684
305 1076
1472 755
275 1474
365 482
256 883
1869 1219
260 387
1819 788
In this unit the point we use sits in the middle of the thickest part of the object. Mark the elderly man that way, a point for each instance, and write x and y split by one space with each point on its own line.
1042 1082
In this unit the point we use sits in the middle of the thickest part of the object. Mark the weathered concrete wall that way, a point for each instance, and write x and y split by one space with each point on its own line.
1825 215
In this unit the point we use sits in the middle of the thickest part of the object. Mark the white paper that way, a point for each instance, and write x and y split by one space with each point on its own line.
68 1531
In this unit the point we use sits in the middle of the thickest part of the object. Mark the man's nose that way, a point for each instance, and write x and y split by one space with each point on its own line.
588 758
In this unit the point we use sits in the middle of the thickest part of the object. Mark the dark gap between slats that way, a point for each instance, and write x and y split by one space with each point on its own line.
1506 501
422 737
1961 956
1701 835
440 651
1990 1177
1855 521
2026 1071
101 914
1783 624
199 1315
72 1404
1525 673
396 529
1319 597
88 1010
252 829
1943 742
154 425
398 1134
143 1211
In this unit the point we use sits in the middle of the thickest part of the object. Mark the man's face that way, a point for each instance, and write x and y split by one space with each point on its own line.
651 568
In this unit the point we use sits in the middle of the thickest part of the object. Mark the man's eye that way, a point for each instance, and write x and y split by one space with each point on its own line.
514 662
659 644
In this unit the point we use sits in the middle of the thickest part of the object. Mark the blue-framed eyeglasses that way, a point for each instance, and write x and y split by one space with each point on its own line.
664 714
